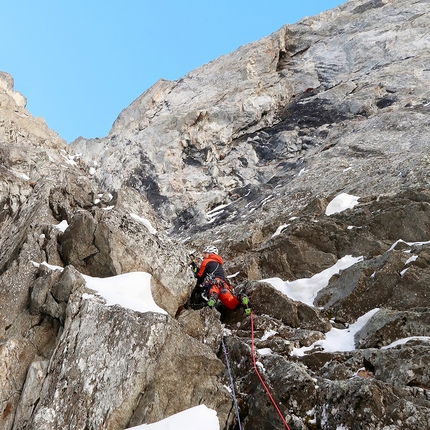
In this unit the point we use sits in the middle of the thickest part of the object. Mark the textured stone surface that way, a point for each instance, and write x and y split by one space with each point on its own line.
346 88
386 326
203 326
41 185
267 300
123 364
264 138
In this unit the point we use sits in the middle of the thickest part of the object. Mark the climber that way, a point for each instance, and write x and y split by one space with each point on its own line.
211 278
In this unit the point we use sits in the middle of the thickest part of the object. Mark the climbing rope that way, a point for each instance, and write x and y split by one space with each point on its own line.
261 378
232 384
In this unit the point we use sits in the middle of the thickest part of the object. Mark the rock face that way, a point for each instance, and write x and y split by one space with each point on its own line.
124 364
345 88
246 152
44 190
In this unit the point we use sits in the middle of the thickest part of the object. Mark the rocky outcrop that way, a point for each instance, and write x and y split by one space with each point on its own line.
44 192
388 325
123 366
21 130
292 313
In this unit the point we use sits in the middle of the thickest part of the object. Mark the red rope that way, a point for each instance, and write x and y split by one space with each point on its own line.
260 377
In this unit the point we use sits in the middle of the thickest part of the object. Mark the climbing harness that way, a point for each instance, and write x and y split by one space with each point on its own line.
261 378
232 384
208 283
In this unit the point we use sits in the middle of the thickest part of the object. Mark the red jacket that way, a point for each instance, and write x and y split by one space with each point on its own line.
212 264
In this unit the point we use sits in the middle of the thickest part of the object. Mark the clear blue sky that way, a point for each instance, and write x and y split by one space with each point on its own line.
81 62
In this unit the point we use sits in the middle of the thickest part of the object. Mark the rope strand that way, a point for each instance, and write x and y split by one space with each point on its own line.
261 378
232 384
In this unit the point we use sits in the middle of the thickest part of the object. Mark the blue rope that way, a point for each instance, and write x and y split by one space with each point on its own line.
232 384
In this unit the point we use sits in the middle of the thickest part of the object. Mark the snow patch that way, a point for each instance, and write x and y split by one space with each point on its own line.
407 243
337 340
280 229
406 339
196 418
411 259
306 289
211 215
62 226
144 222
268 334
340 203
129 290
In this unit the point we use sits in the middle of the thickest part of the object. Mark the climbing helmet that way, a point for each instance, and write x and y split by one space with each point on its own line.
211 249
